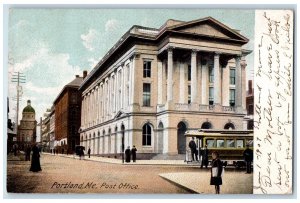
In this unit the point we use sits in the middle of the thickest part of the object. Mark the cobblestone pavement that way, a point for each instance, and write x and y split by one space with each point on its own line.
67 175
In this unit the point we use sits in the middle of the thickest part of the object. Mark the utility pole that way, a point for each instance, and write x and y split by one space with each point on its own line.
19 78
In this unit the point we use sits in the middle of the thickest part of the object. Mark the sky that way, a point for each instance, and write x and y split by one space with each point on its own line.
51 46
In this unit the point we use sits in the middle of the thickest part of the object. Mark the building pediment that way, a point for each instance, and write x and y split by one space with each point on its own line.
208 27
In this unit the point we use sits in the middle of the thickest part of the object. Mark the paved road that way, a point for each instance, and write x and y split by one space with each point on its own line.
68 175
64 175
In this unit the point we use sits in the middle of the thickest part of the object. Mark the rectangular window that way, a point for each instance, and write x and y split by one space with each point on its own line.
211 96
210 143
230 143
239 143
189 73
232 97
250 143
147 69
146 94
232 76
211 74
189 94
220 143
250 109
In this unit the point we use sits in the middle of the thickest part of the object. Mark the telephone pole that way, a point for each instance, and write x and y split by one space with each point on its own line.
18 78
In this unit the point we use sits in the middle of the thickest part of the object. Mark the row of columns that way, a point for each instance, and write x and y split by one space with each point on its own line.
217 79
106 144
108 96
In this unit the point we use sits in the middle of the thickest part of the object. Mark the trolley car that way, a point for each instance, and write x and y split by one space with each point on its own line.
229 143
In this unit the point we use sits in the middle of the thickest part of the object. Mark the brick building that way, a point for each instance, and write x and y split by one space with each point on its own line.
67 116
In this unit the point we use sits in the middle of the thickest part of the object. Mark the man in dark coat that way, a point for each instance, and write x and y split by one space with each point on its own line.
133 153
127 155
248 157
193 147
35 160
204 157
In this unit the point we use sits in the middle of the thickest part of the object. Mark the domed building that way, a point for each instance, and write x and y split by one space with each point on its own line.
27 127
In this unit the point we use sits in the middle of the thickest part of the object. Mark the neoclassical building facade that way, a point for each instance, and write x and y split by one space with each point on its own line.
154 84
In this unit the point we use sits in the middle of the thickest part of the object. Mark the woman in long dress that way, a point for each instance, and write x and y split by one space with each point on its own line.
216 172
127 155
35 160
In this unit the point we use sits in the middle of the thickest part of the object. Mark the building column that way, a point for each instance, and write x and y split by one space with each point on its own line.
225 86
89 109
238 82
217 82
243 78
98 103
194 86
101 102
159 82
170 76
204 99
182 86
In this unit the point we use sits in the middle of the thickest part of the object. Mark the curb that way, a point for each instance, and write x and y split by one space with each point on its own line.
135 164
179 185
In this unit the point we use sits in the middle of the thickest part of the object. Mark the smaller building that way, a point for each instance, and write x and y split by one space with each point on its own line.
46 132
67 107
27 128
52 128
250 106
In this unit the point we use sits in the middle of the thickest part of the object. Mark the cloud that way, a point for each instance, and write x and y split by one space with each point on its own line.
111 25
42 90
88 40
46 74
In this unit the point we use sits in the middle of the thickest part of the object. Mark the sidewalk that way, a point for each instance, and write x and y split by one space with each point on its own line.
199 182
138 162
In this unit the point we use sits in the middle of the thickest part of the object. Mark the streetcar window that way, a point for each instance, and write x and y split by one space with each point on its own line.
210 143
250 143
239 143
220 143
230 143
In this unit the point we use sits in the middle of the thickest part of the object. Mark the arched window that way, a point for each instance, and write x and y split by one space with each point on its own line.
147 135
206 125
229 126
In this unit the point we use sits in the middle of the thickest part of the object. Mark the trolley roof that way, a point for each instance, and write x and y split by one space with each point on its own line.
211 132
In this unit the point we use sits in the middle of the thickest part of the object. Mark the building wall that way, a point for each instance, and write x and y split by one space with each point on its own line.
61 117
107 103
27 129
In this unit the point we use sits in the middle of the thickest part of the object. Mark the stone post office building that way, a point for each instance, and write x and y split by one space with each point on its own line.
154 84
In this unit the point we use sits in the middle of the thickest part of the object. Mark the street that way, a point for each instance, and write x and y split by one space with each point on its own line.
68 175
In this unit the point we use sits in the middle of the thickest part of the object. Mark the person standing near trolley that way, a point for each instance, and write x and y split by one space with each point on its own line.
216 172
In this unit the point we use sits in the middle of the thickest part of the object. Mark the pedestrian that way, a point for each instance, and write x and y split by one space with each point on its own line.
28 151
127 155
63 151
204 153
216 172
15 148
248 157
80 151
89 152
133 153
193 147
35 160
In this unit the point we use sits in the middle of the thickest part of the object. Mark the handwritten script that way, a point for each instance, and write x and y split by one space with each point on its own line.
273 96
